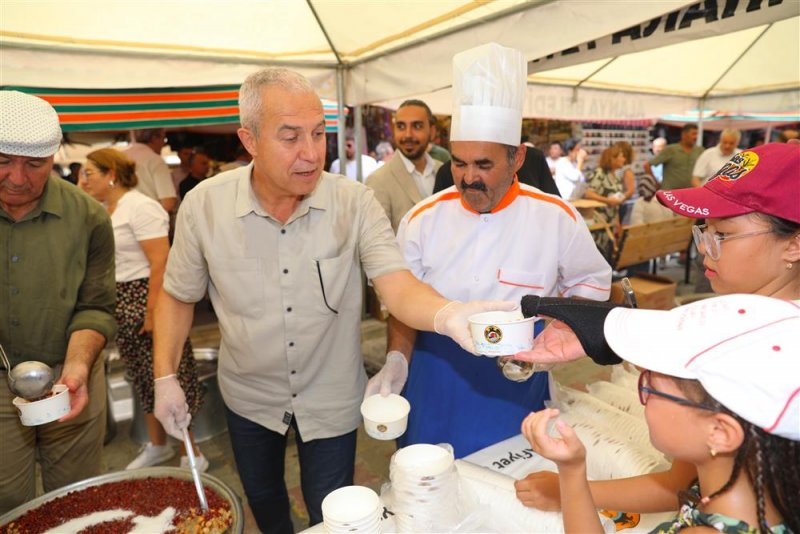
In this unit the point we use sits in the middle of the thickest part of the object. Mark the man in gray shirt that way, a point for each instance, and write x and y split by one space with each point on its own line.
279 245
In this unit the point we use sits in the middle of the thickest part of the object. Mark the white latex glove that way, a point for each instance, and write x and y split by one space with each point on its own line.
452 319
391 378
170 406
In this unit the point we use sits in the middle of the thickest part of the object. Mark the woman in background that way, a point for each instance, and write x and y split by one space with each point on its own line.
628 178
140 236
606 187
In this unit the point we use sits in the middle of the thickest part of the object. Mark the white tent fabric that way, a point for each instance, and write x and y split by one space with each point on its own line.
560 103
386 49
742 60
727 58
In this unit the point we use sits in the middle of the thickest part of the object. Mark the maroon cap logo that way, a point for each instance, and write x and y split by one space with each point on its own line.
738 166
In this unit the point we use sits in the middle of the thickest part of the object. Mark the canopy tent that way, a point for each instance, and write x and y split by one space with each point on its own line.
357 52
363 51
382 50
742 58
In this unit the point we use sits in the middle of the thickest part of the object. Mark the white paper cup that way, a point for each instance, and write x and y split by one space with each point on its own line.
351 505
422 460
385 417
500 333
44 410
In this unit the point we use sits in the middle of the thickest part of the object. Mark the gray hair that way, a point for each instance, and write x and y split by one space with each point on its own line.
383 149
731 132
250 105
511 153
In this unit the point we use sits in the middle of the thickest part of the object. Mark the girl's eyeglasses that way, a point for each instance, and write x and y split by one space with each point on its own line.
645 391
711 240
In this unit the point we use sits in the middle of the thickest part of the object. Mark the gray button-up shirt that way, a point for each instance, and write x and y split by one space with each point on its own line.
288 296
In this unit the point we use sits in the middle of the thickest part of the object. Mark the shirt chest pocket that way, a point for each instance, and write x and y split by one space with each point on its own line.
332 276
239 283
533 283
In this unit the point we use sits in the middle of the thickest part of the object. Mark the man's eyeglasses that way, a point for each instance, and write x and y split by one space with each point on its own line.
711 240
645 391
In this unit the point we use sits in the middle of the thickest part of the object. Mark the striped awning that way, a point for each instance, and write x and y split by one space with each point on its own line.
93 110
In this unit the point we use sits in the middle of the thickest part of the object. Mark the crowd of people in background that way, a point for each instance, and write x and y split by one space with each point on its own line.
627 196
568 162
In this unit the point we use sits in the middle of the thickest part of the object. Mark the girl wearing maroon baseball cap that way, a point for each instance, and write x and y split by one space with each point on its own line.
751 244
751 239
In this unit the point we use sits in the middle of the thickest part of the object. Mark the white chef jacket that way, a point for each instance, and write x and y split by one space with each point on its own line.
532 243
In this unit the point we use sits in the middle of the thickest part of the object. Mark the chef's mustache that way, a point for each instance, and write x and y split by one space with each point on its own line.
477 186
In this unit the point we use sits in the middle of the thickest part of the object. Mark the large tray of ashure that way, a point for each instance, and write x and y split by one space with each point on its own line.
148 500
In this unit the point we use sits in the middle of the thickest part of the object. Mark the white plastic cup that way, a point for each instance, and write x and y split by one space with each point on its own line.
45 410
385 418
500 333
351 506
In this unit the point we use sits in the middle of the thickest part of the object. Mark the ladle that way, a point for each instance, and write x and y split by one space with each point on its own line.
29 380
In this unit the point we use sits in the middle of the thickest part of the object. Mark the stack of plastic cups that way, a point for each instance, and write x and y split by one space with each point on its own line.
425 489
352 509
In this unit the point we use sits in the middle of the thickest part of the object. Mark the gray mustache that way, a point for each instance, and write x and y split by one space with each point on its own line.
477 186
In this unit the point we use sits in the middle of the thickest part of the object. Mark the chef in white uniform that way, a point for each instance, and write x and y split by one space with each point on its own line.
486 237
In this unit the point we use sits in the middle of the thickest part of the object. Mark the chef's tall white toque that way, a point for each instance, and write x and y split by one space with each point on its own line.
489 83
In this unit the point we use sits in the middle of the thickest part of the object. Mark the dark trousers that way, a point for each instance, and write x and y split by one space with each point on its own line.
325 465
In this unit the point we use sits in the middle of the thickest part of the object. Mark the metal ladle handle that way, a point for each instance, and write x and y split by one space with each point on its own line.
630 295
5 360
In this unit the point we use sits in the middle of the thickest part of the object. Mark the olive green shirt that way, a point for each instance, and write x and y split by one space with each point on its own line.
678 165
56 274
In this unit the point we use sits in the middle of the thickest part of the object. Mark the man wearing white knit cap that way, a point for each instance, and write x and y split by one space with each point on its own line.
487 236
58 302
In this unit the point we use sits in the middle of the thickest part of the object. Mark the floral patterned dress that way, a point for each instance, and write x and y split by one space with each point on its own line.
605 184
690 516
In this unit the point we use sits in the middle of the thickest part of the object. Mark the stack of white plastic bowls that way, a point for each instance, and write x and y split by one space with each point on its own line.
425 488
352 509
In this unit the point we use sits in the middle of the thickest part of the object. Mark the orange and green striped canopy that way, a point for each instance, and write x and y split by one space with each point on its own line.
92 110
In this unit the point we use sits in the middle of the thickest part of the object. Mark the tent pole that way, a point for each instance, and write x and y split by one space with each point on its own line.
736 61
340 111
340 66
702 107
357 126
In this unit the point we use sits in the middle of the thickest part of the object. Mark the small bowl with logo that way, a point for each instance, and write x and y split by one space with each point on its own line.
385 418
501 333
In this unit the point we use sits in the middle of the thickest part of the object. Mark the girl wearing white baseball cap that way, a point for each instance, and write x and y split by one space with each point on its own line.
727 371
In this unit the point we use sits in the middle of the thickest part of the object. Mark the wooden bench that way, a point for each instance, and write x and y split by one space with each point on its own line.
643 242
